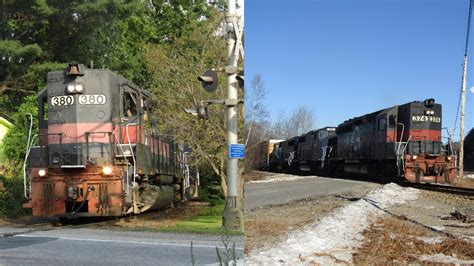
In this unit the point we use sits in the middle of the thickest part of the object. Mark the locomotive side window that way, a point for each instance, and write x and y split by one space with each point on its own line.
382 124
44 108
130 104
323 134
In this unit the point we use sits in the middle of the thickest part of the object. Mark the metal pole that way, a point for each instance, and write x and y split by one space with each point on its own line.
463 107
232 217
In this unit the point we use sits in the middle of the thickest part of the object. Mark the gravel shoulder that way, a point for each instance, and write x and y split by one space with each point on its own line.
267 225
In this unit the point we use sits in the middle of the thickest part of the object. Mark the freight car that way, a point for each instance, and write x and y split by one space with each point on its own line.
263 151
98 154
403 140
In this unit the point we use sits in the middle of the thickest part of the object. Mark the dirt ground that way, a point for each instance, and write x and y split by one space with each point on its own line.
165 218
390 240
153 219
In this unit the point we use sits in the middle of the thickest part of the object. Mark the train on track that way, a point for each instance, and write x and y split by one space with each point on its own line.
402 141
98 153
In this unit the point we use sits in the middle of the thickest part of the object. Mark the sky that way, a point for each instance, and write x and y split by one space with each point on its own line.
346 58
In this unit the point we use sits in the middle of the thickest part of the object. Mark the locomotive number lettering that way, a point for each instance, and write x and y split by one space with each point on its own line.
92 99
62 100
425 118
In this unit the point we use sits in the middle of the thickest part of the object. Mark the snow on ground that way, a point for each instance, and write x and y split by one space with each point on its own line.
281 178
442 258
335 237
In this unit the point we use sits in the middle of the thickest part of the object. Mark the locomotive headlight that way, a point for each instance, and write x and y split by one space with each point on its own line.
70 88
449 158
79 88
75 88
414 157
42 172
429 112
107 170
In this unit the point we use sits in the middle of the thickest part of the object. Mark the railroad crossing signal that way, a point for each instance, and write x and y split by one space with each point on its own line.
209 80
201 111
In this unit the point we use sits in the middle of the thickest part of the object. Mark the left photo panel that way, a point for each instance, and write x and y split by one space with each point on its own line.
121 132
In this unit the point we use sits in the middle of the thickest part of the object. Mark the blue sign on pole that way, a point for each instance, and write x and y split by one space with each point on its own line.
236 151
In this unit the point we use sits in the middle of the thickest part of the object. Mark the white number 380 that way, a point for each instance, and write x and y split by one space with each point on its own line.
92 99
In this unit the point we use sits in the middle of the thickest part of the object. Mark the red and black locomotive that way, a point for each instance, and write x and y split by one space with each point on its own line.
98 155
403 141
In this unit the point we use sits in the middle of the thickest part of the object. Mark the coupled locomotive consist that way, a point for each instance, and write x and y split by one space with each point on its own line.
401 141
98 155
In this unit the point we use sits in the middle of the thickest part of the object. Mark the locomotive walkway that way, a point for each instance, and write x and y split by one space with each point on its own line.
104 247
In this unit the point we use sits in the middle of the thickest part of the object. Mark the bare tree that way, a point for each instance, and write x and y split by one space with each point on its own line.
256 126
256 110
300 121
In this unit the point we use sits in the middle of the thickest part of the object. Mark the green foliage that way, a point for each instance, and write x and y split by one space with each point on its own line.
174 68
210 189
14 143
11 197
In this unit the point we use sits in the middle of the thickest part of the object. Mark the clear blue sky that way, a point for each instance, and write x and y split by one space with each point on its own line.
343 58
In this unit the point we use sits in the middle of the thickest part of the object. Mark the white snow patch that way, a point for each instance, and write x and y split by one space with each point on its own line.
281 178
439 228
336 236
442 258
432 240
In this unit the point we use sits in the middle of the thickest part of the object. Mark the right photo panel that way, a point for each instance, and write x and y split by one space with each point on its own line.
358 127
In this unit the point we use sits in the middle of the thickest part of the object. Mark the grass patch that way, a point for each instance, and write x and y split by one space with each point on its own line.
209 222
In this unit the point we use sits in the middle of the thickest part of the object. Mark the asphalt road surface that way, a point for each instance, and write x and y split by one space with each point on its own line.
273 193
104 247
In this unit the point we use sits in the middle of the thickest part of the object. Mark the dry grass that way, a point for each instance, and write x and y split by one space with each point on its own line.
391 240
464 182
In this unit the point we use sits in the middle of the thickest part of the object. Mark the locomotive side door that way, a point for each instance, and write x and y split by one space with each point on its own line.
380 136
129 125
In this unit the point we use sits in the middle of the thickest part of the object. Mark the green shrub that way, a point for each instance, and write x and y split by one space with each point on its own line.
11 197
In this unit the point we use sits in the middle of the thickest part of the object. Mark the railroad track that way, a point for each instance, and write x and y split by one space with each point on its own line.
442 188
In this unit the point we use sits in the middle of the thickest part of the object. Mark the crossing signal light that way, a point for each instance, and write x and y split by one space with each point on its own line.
201 111
209 80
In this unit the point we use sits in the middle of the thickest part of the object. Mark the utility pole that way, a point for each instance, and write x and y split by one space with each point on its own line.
463 107
463 97
232 215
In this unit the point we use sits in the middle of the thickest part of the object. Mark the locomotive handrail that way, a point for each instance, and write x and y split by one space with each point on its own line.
109 133
29 143
131 149
123 153
401 139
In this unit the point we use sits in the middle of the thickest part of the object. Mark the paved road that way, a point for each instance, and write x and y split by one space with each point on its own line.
105 247
273 193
